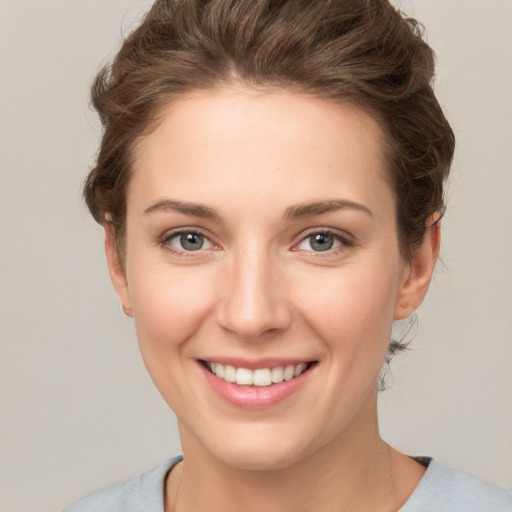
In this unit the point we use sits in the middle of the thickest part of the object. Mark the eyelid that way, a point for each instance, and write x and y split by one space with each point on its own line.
345 238
164 239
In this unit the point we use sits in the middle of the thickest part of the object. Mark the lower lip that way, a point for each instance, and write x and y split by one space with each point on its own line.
255 397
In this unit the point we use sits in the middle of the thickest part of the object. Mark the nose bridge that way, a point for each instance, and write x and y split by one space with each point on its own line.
253 301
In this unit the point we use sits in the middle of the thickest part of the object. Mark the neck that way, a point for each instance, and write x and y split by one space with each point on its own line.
355 471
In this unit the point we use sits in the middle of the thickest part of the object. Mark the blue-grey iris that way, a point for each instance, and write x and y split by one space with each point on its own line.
192 241
321 242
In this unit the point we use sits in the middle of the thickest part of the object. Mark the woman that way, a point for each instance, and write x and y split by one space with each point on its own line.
270 181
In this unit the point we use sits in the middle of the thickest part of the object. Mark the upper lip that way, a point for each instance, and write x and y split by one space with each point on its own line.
255 364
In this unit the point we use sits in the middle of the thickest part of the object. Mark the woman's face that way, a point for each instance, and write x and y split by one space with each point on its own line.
261 241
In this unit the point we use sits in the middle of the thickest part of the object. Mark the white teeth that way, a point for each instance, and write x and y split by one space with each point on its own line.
299 369
289 372
244 377
260 377
219 371
229 373
277 375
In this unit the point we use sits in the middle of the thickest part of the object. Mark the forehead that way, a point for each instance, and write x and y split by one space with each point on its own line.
228 143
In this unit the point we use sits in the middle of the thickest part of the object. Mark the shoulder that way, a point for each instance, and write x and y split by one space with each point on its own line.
144 492
449 490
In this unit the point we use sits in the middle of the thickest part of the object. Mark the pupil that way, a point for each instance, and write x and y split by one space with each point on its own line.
322 242
192 241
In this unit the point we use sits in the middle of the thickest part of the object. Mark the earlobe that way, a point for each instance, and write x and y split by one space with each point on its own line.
419 270
117 270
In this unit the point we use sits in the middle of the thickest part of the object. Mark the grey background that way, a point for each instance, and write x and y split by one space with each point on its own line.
77 408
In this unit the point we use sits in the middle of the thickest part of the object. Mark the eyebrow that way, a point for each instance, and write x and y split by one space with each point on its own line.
319 207
293 212
193 209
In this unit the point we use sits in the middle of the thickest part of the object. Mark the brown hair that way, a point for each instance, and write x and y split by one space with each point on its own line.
362 52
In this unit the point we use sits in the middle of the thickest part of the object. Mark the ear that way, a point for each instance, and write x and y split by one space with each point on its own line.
418 272
117 270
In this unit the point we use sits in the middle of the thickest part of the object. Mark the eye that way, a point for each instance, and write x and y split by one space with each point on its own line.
320 242
188 241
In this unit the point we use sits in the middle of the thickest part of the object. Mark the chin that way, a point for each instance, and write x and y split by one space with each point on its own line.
247 459
255 451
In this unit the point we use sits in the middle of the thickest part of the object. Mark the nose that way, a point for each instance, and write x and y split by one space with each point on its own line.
254 303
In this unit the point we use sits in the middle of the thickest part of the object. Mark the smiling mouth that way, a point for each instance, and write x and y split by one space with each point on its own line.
260 377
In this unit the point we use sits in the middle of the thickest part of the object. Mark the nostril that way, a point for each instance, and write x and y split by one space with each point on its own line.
253 321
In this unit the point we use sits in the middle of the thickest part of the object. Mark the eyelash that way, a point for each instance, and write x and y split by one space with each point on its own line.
344 241
164 242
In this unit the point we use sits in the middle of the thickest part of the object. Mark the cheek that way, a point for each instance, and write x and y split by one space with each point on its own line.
352 308
169 305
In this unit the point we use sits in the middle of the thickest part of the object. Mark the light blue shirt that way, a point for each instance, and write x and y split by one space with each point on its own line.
441 489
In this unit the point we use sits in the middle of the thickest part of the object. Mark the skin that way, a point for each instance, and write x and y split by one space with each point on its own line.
258 289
